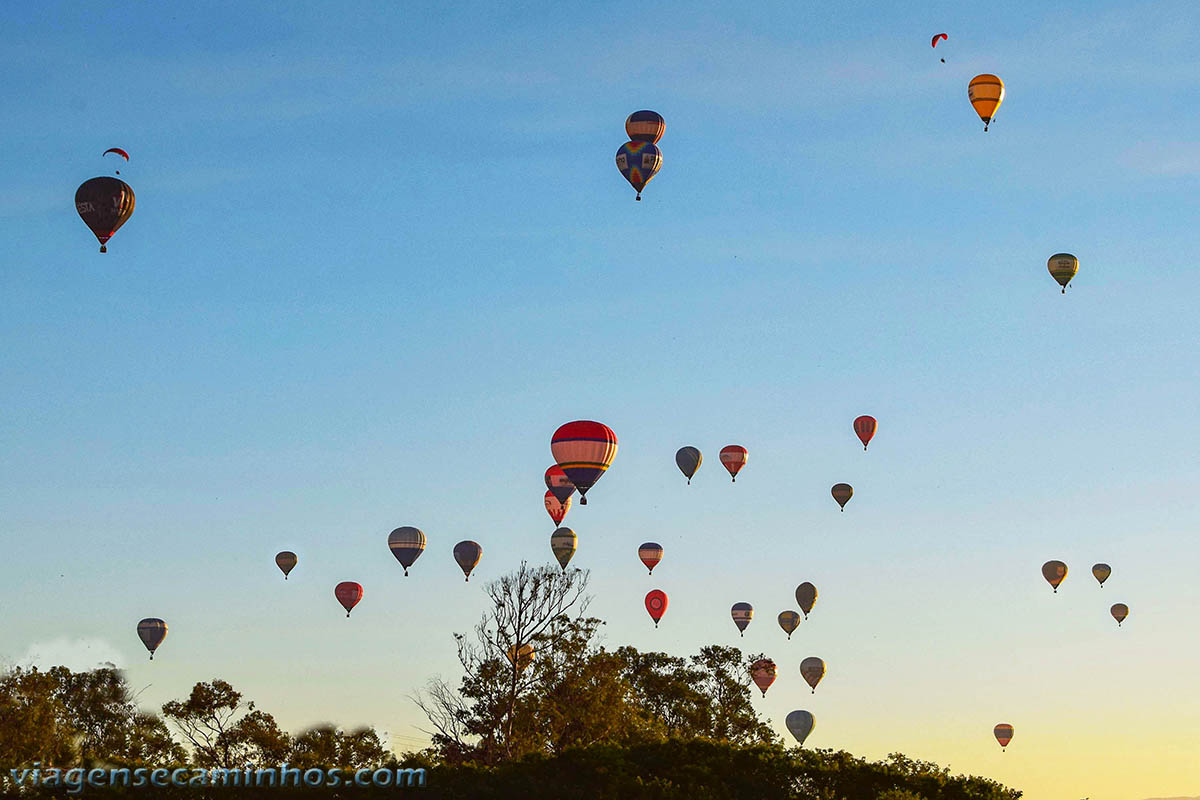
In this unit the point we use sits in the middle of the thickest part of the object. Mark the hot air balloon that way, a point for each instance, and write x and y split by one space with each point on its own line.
1119 612
348 593
585 450
742 613
1055 572
789 621
520 657
639 162
865 426
1063 267
762 672
555 509
406 544
563 543
104 204
467 554
986 93
800 724
812 669
941 37
559 484
734 456
688 460
1003 733
152 631
842 492
650 553
656 605
806 596
1101 573
286 561
645 126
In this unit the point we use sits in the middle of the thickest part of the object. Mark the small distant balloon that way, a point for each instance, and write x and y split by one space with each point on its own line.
1119 612
688 459
556 509
645 126
650 553
812 669
800 724
559 484
734 457
563 543
1055 572
656 605
789 621
986 93
152 631
806 596
1101 573
286 561
842 492
1063 267
1003 733
742 613
348 593
406 544
467 554
864 426
762 672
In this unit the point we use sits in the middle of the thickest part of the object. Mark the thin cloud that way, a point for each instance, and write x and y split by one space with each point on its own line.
75 654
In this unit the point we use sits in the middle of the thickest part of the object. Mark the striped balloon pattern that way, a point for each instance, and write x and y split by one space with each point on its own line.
348 593
1063 267
789 621
650 553
584 450
467 554
563 543
558 483
407 544
152 631
742 613
286 561
986 93
762 672
645 126
864 427
1003 733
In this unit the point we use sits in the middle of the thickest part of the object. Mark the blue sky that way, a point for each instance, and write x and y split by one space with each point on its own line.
378 257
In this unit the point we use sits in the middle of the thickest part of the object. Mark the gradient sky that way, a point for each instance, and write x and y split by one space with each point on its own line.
378 258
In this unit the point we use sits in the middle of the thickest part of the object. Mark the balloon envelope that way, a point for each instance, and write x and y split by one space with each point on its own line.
467 554
152 631
286 561
645 126
812 669
842 492
559 484
762 672
1003 733
1055 572
865 426
789 621
348 593
557 510
688 459
1063 267
104 204
1119 612
800 724
585 450
742 613
1101 572
639 162
650 553
986 93
563 543
407 544
734 457
520 657
656 605
806 596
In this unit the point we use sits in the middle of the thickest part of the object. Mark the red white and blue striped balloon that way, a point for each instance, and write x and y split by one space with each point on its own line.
585 450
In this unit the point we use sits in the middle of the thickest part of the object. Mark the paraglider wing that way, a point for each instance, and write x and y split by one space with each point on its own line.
639 162
286 561
842 492
104 204
789 621
656 605
1055 572
563 543
812 669
734 457
650 553
407 544
688 459
1101 573
116 150
986 93
1003 733
467 554
152 631
645 126
941 37
865 426
556 509
762 672
348 593
800 724
742 613
585 450
806 596
559 484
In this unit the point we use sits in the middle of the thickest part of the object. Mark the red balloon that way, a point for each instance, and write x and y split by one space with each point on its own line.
348 593
864 426
555 509
656 604
585 450
734 457
558 483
